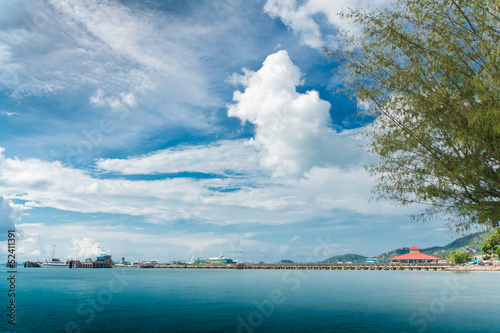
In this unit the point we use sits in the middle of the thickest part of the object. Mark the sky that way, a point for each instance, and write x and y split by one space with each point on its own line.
174 130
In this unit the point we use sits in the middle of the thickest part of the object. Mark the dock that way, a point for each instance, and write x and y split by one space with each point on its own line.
316 266
393 266
30 263
89 264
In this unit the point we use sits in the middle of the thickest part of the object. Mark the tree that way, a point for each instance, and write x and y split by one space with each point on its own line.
429 71
459 257
492 245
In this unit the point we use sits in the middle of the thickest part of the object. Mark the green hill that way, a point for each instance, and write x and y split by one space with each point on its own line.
354 258
286 261
384 257
471 243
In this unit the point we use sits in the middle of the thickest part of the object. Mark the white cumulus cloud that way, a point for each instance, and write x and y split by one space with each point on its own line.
86 248
292 129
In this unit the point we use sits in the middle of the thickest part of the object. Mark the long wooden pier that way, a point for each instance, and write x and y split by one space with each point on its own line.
313 266
295 266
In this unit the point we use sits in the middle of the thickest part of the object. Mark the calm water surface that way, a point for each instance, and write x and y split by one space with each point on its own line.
176 300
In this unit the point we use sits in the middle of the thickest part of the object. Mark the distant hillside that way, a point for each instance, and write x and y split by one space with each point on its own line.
354 258
286 261
471 243
384 257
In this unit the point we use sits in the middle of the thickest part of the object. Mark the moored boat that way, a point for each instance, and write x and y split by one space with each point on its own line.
126 264
55 262
216 260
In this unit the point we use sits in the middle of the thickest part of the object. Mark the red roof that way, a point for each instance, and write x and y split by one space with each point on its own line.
415 256
414 248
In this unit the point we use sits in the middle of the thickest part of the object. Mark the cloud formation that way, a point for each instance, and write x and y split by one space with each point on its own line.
221 157
117 240
65 46
7 113
292 132
7 217
316 170
221 201
114 83
292 129
304 18
125 99
86 248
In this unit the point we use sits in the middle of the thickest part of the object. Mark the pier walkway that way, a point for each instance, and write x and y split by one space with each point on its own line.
361 266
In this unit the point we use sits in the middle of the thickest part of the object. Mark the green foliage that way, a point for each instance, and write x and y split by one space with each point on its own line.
459 257
492 245
429 69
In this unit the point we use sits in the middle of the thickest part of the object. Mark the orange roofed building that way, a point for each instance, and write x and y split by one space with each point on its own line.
414 256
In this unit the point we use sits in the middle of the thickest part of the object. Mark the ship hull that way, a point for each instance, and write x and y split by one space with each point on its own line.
50 265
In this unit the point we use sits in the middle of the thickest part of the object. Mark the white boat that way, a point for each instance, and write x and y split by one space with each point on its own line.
124 264
120 265
55 262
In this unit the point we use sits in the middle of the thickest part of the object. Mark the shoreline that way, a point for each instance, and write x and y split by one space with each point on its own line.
311 266
475 268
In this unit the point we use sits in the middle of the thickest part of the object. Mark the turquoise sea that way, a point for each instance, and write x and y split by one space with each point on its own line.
182 300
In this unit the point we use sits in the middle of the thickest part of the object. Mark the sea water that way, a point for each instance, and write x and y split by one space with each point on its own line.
214 300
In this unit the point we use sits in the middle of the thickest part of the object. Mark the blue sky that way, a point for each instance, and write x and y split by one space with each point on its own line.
181 129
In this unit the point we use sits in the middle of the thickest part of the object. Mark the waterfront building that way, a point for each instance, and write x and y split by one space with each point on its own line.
104 258
414 256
